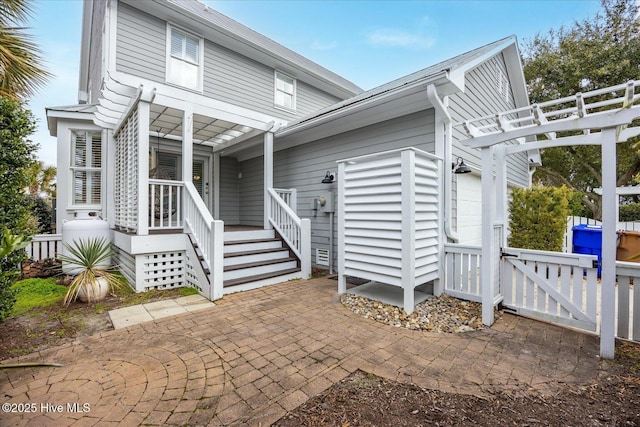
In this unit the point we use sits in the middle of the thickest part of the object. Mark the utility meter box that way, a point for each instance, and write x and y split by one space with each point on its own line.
327 196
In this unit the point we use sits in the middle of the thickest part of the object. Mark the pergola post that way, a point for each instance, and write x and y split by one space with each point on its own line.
487 273
143 168
268 177
187 145
216 185
609 222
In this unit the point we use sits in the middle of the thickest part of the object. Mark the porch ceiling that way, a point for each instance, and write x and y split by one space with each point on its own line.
206 130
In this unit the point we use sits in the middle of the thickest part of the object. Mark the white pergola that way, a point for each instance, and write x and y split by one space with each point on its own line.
603 117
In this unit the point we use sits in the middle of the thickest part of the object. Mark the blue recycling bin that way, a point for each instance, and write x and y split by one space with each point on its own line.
587 239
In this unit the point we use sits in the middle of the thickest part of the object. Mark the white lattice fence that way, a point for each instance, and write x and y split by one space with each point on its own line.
126 174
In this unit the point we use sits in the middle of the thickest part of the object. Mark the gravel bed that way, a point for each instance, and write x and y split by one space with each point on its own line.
436 314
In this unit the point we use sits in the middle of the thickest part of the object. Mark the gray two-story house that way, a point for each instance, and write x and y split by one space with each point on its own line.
211 150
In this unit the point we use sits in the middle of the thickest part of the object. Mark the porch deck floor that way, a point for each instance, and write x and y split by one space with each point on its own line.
387 294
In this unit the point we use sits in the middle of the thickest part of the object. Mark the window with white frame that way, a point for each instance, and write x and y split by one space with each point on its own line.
86 163
184 59
285 91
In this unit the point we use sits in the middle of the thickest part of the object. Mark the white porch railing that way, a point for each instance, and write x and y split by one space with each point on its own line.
462 271
296 232
628 304
208 234
44 246
165 204
289 196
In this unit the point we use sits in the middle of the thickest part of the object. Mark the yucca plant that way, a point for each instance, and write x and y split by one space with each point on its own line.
89 256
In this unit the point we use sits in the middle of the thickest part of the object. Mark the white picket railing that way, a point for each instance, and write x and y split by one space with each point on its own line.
628 301
208 234
462 271
296 232
289 196
165 204
44 246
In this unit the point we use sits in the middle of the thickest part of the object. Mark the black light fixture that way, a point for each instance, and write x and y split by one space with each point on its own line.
328 178
460 167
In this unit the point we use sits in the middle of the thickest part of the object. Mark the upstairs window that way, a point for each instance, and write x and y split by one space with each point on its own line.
285 91
86 164
184 59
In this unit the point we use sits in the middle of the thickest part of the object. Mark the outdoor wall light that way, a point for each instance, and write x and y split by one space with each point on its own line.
328 178
460 167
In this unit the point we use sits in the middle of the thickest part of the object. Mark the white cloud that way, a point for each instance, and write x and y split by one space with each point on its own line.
423 36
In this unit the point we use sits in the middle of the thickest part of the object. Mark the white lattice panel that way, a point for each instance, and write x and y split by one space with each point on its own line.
164 270
126 175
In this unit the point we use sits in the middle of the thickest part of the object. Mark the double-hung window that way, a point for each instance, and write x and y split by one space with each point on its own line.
184 59
285 91
86 163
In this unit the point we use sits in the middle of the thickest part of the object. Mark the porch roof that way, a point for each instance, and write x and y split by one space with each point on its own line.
213 123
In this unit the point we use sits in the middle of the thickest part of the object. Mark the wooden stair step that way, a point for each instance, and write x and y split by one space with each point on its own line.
243 280
256 252
258 263
244 242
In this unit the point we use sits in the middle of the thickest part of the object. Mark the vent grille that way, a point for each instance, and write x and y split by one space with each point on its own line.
322 256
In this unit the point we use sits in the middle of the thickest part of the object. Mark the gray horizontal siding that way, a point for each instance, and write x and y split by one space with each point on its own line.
304 166
252 192
229 197
95 53
239 80
481 98
228 76
140 44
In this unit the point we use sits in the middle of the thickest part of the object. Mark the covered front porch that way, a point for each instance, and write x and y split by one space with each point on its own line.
172 188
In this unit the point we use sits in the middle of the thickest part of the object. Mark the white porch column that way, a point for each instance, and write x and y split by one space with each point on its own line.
408 189
216 185
501 193
143 168
187 145
609 222
342 280
268 176
487 273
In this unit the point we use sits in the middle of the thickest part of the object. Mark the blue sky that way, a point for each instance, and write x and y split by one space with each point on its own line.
367 42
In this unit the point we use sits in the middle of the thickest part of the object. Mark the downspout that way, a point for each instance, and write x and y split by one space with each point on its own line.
442 111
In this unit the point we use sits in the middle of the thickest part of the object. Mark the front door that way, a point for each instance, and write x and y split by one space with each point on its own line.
201 179
168 166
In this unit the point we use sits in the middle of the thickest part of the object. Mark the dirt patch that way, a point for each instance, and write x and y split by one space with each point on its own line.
363 399
56 325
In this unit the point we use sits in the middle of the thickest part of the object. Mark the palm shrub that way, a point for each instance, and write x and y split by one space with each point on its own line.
89 256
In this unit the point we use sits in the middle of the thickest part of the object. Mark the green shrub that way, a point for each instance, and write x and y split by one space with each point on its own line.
539 217
630 212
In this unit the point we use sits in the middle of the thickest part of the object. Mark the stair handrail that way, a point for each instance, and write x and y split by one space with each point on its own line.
208 234
295 231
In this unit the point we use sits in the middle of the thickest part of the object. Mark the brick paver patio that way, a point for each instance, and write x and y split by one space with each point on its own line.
258 354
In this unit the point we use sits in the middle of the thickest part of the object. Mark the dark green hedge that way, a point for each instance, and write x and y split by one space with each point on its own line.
630 212
539 217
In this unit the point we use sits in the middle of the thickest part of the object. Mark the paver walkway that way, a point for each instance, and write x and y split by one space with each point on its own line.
258 354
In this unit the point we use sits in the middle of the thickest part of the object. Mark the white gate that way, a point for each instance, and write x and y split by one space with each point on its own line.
551 286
